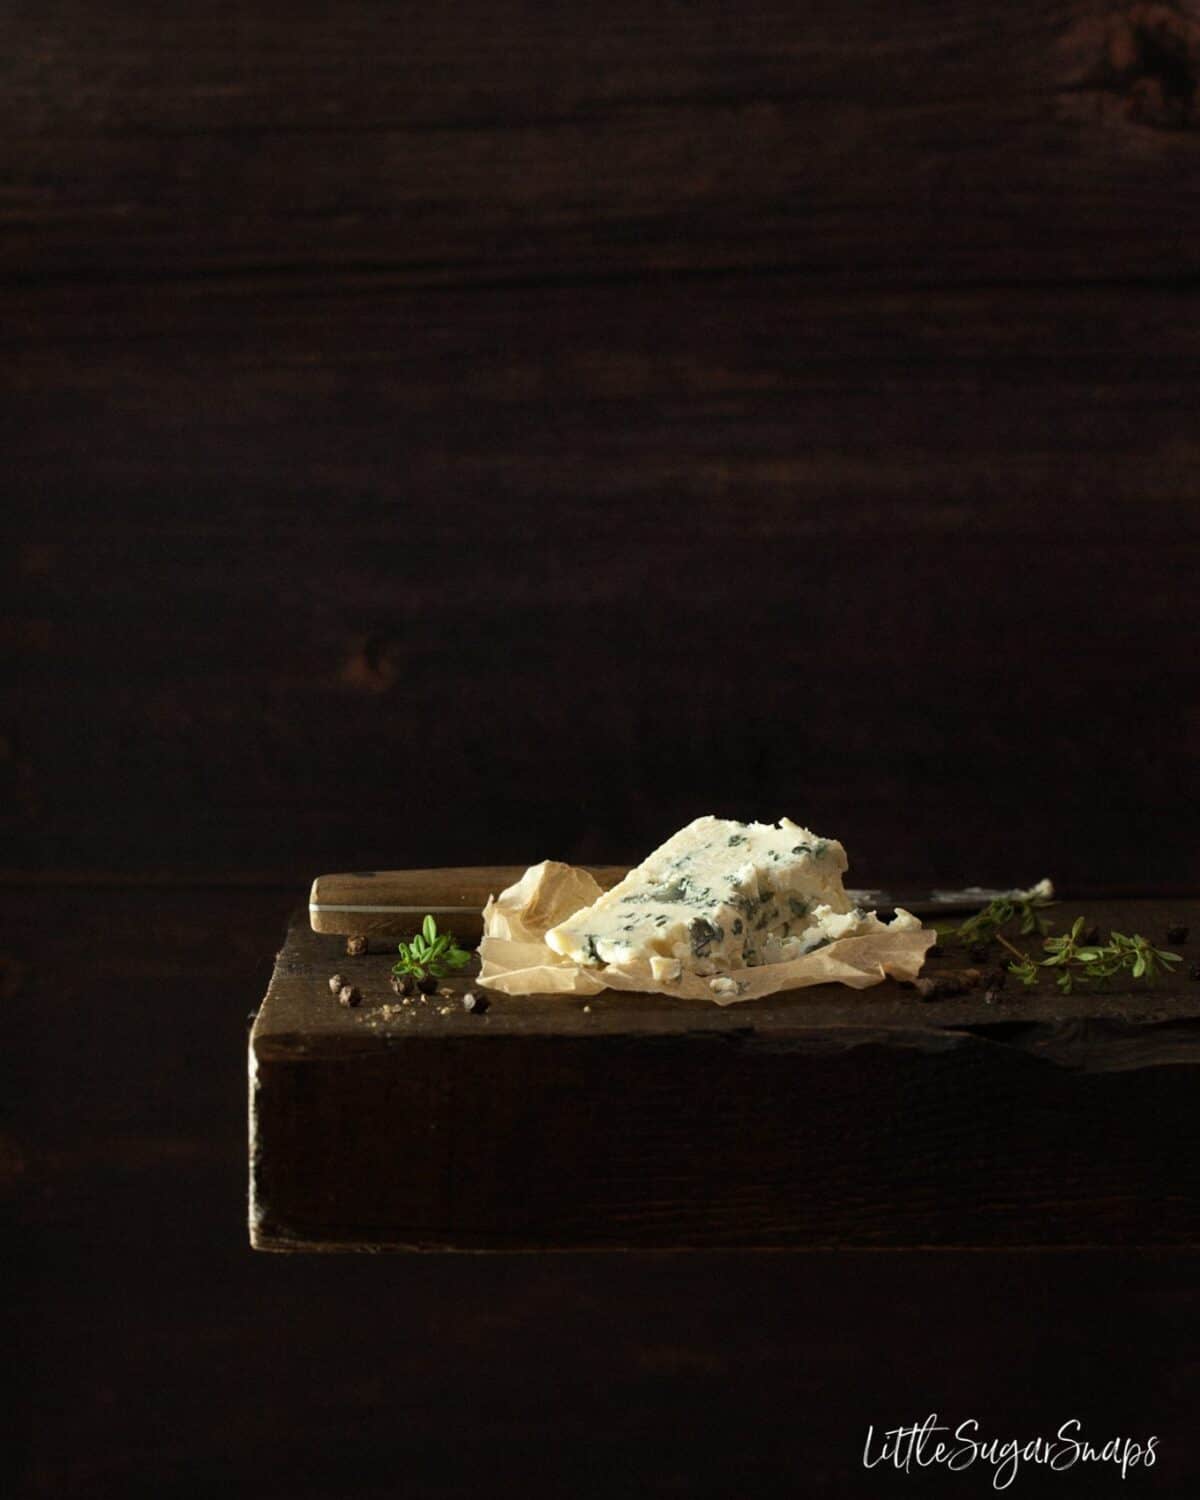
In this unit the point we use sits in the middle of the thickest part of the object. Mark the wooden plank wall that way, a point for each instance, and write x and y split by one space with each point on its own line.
450 434
436 435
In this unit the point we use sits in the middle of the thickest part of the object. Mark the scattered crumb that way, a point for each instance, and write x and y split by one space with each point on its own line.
355 947
587 1010
335 983
348 995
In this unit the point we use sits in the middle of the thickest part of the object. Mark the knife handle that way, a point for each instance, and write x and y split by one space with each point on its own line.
391 903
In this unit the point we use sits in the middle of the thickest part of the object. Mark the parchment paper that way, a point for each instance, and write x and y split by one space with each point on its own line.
516 961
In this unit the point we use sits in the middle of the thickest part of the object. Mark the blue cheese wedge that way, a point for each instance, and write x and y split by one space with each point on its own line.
719 896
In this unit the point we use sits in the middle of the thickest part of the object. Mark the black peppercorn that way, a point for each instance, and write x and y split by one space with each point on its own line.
1194 971
428 985
475 1002
1177 933
402 984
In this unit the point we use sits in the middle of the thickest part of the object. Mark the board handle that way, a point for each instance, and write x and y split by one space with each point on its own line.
391 903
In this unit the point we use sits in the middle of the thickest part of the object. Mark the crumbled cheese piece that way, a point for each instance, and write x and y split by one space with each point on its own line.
723 985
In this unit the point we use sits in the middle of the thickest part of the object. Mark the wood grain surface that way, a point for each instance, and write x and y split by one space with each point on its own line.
159 1354
450 450
492 142
814 1118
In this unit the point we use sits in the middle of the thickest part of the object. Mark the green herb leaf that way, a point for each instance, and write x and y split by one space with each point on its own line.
1093 962
430 952
1025 907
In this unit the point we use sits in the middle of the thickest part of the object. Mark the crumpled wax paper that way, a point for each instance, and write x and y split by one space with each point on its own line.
516 960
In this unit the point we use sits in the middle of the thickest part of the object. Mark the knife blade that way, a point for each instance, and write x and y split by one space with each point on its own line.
392 902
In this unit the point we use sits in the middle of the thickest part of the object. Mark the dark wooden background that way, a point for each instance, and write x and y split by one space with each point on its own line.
476 433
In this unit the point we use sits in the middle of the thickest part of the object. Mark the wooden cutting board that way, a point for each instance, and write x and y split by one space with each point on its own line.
821 1117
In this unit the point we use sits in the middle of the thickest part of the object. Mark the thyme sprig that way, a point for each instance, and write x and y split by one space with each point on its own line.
1076 959
1024 907
430 953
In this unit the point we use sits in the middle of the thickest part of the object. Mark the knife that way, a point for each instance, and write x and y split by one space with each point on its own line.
391 903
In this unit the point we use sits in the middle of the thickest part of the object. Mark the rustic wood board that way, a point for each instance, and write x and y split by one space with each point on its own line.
817 1118
137 987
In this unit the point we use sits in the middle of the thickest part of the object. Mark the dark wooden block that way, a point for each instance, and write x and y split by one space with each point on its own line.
819 1118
